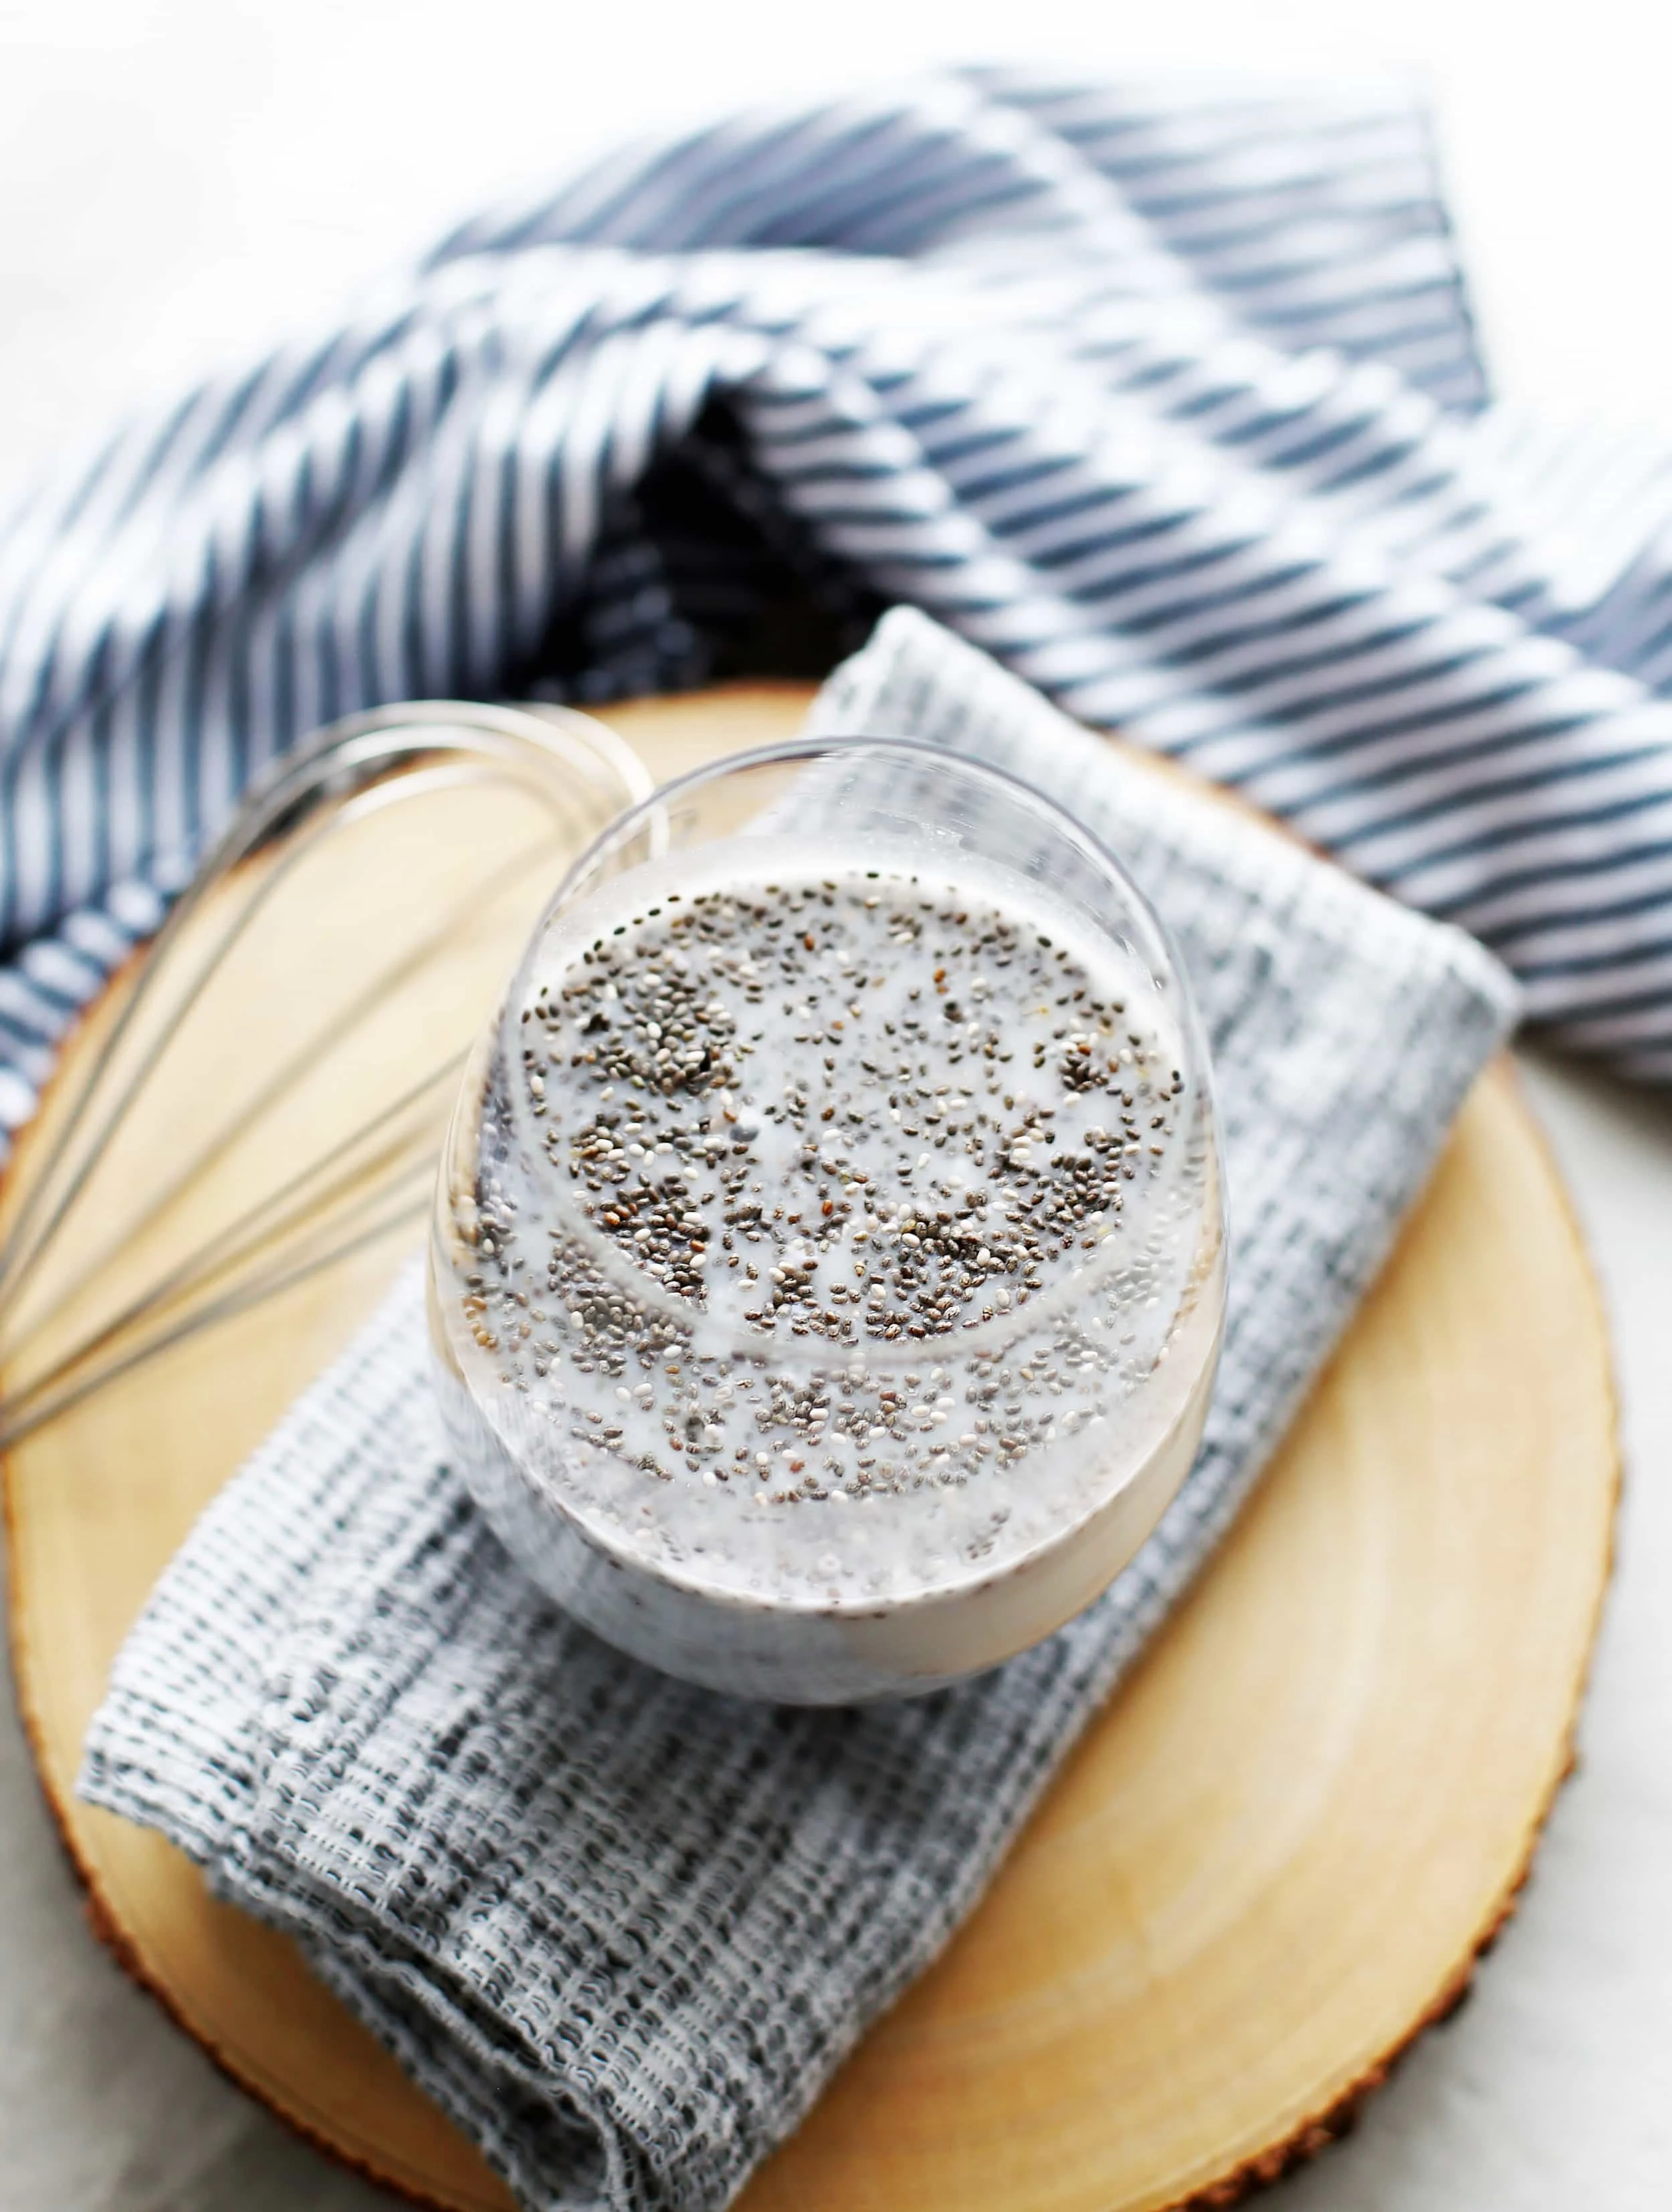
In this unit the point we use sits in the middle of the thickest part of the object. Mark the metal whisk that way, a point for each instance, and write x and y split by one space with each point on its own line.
266 1095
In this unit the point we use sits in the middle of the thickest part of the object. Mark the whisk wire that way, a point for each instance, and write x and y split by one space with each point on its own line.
360 1186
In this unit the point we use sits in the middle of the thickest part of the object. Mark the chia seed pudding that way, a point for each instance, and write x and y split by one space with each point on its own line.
826 1236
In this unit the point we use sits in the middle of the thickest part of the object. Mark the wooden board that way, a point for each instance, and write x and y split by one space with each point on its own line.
1270 1863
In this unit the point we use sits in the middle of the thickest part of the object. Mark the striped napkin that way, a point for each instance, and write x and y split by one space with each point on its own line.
1167 396
624 1930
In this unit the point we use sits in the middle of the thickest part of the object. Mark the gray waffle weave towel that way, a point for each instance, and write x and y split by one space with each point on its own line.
622 1930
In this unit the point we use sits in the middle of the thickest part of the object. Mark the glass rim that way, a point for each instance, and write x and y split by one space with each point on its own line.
712 1340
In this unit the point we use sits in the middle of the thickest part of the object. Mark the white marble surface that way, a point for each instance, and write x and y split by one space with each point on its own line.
180 178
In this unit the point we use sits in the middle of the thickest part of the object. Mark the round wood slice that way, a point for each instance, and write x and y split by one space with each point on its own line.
1271 1861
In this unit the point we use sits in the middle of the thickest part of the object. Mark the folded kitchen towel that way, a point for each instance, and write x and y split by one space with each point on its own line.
622 1930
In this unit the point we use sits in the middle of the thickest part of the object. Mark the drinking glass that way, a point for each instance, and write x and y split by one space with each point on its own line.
1034 1443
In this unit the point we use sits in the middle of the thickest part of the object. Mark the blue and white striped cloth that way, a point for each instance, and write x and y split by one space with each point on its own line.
1169 399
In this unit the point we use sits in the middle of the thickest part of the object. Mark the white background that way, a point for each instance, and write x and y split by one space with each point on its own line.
179 179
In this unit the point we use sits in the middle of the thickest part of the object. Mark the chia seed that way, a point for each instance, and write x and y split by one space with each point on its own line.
664 1120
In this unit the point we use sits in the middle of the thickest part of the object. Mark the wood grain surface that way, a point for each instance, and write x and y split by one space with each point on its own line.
1269 1863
